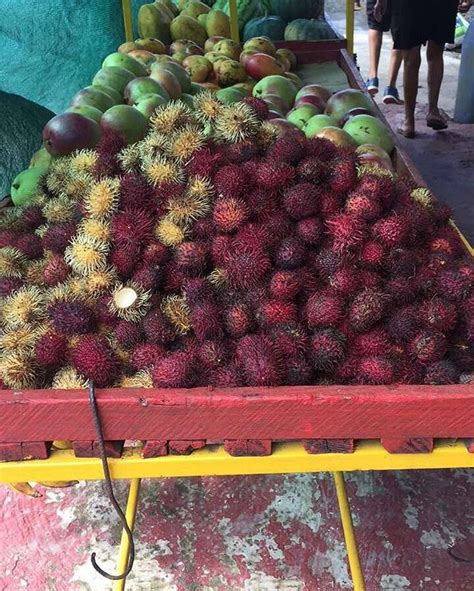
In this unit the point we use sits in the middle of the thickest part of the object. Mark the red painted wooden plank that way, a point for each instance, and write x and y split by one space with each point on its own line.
470 445
300 412
248 447
35 450
419 445
185 448
10 452
155 448
90 449
324 446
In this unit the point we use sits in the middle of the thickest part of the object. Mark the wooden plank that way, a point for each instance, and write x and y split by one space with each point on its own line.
248 447
470 445
35 450
185 448
418 445
90 449
326 446
300 412
155 448
10 452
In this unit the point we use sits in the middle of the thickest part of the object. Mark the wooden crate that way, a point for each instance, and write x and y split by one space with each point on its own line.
406 418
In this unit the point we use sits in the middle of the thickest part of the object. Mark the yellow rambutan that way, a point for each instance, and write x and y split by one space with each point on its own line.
58 175
129 157
175 308
423 196
24 307
59 209
34 272
84 161
171 116
217 277
41 230
130 302
102 200
187 208
162 170
99 281
207 106
169 232
184 142
266 134
142 379
18 370
12 262
237 122
11 218
22 339
373 169
199 186
78 185
97 229
68 378
152 145
85 254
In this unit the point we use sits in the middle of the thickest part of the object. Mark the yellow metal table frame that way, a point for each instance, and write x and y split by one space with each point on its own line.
286 458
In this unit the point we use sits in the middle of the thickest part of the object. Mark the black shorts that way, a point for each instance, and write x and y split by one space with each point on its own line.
414 22
384 25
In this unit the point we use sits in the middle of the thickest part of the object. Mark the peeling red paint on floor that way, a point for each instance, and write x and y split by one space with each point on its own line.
263 533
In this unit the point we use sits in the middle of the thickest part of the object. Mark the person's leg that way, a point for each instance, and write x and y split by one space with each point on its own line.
412 61
434 56
375 46
396 58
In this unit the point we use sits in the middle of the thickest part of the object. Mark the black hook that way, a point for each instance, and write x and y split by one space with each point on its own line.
110 493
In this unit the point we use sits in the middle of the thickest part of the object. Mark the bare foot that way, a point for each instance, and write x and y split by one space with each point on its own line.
407 130
436 121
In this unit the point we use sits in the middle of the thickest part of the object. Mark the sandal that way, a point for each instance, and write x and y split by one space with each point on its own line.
408 133
436 123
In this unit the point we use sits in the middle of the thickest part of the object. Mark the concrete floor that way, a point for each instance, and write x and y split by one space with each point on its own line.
267 533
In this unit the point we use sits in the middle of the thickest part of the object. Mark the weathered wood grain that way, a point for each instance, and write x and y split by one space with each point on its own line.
248 447
155 448
417 445
90 449
325 446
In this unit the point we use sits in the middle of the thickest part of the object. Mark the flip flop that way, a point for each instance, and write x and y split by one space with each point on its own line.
409 134
436 124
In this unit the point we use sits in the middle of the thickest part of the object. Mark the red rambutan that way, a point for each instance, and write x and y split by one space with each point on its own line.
8 238
124 261
453 285
238 320
372 344
191 257
250 168
211 354
402 261
274 227
400 289
446 241
274 175
461 352
438 314
277 313
230 181
173 278
94 358
131 227
343 175
367 308
32 217
262 202
177 370
428 346
327 349
220 245
259 106
380 187
202 162
441 372
285 285
363 206
298 371
103 311
291 253
239 152
148 278
51 349
196 290
310 230
327 262
375 370
321 148
391 230
403 324
226 376
301 200
57 237
285 149
290 340
157 328
346 231
312 169
202 228
146 356
55 271
156 253
345 280
135 192
229 213
245 264
8 285
441 212
330 203
128 334
205 320
106 165
372 254
323 308
259 363
70 317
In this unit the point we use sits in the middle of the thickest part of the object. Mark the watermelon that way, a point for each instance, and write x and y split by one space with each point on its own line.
309 30
272 27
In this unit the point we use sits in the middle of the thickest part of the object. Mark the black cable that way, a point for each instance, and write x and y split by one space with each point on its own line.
110 493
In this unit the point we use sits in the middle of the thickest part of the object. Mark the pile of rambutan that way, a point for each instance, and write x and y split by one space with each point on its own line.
218 252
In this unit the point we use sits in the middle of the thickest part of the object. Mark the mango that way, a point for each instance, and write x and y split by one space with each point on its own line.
229 48
153 45
113 76
217 24
26 184
194 8
152 23
186 27
230 72
124 60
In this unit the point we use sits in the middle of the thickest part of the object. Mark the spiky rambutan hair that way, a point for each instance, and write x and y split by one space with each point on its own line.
141 379
177 370
167 118
83 161
103 198
21 340
129 158
184 142
59 209
18 370
96 229
207 107
71 317
162 171
235 123
86 254
177 311
93 357
24 307
170 233
132 227
185 209
129 302
69 378
259 361
245 264
12 262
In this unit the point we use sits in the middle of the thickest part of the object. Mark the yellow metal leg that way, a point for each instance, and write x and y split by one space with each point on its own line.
234 20
127 19
130 514
350 26
349 533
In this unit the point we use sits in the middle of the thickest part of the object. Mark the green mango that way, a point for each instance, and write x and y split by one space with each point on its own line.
113 76
87 111
26 184
123 60
41 158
